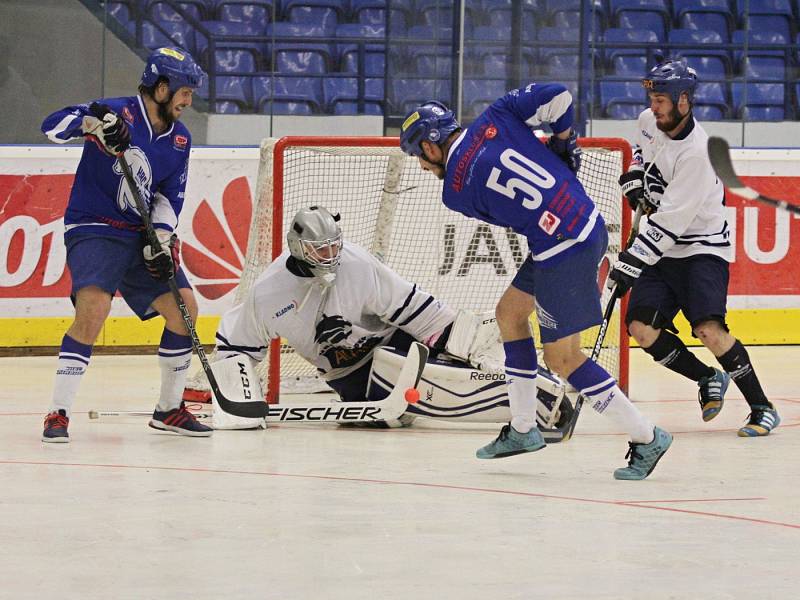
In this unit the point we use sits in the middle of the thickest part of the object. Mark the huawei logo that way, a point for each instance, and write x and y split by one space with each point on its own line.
216 257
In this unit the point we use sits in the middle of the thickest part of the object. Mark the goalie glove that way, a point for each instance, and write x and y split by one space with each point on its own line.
475 338
107 129
567 150
164 261
626 271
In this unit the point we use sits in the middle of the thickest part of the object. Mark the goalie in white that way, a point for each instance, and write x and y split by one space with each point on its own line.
336 304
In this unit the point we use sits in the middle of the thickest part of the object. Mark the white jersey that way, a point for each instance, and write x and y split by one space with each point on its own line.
338 328
691 214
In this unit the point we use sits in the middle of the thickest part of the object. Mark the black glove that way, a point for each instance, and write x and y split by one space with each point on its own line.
332 330
108 130
632 184
567 150
163 262
625 272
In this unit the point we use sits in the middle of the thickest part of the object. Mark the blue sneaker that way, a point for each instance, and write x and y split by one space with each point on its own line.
645 457
511 442
712 393
179 420
763 419
55 427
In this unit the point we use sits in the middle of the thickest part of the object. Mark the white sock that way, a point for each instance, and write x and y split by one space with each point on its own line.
522 402
174 358
613 403
73 358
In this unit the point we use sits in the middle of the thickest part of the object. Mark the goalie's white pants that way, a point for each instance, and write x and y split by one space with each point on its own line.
460 392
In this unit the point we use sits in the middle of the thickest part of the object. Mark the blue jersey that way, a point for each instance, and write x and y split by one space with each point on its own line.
100 200
499 172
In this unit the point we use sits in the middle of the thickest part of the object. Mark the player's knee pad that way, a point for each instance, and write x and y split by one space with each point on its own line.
239 382
649 316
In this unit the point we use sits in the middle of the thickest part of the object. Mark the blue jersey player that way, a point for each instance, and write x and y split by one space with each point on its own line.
499 172
106 252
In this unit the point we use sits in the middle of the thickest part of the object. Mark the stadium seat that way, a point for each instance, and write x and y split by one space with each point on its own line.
714 15
374 12
341 95
700 39
480 93
498 15
166 33
564 65
294 50
489 52
407 93
754 39
255 12
439 13
119 11
622 99
764 101
634 60
235 60
642 14
712 97
232 36
374 54
159 11
567 13
555 40
287 95
326 14
229 90
705 112
764 68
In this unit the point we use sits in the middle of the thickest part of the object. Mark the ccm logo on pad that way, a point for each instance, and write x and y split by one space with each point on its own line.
549 222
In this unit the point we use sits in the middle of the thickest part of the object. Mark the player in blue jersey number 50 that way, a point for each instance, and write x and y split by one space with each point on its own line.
106 252
499 172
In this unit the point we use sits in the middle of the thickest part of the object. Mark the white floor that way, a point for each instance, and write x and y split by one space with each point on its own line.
317 512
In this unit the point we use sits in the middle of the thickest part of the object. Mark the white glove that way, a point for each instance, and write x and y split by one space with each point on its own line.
475 338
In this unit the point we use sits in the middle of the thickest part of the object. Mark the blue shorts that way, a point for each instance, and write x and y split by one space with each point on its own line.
114 263
696 285
567 296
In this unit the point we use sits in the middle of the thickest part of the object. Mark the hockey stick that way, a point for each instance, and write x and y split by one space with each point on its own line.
99 414
569 428
720 156
255 409
392 407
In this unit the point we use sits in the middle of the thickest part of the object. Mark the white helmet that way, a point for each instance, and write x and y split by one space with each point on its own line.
315 238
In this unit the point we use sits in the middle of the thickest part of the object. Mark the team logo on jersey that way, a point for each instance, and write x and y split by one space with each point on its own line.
180 142
143 175
285 309
215 259
491 132
548 222
126 115
332 333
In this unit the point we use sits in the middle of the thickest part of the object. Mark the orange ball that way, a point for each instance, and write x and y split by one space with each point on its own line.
412 396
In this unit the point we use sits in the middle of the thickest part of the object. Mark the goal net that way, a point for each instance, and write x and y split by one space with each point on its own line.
394 209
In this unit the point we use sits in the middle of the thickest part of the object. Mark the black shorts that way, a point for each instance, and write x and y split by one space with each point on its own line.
696 285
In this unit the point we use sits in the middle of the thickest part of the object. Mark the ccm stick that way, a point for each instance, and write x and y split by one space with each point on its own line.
392 407
720 156
254 409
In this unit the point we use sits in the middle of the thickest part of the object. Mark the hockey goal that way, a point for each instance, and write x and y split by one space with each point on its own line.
393 208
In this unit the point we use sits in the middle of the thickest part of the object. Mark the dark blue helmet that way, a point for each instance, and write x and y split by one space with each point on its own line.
176 65
673 77
432 121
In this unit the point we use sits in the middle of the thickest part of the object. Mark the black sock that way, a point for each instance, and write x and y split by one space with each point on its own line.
671 352
736 363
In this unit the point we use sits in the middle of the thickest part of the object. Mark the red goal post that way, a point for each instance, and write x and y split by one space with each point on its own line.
394 209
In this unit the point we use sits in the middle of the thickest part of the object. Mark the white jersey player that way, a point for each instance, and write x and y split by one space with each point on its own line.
680 259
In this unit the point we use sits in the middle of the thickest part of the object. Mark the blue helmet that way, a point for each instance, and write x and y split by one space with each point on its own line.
176 65
432 121
673 77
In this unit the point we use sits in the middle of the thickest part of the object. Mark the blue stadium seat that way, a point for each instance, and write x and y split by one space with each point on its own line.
374 12
406 94
439 13
288 95
235 60
326 14
699 39
302 54
713 95
557 35
622 99
714 15
247 37
161 11
766 68
759 38
706 112
166 33
489 52
630 61
119 11
564 65
642 14
230 89
567 13
374 54
764 102
497 14
480 93
254 12
341 95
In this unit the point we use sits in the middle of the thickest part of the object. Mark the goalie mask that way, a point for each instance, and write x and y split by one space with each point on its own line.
315 239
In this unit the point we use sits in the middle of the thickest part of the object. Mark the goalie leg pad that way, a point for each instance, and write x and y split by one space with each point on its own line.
475 338
458 392
239 382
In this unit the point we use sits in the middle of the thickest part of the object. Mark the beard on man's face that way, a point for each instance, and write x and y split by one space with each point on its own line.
674 120
165 110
